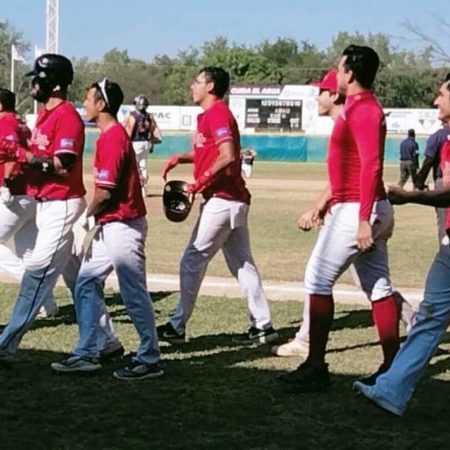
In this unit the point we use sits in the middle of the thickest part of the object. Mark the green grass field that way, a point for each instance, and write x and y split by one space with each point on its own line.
216 394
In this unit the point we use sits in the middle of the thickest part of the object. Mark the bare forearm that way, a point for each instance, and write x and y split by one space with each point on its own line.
323 200
440 198
101 200
186 158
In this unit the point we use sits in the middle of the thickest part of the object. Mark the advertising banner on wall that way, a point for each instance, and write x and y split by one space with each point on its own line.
423 121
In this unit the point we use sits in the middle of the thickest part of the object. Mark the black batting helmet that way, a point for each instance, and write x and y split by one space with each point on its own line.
141 102
51 72
176 200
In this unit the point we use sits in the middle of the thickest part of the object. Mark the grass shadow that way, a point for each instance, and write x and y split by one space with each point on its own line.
207 401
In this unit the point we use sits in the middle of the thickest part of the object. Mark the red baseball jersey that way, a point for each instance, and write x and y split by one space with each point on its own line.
115 169
215 126
445 167
13 128
356 153
58 130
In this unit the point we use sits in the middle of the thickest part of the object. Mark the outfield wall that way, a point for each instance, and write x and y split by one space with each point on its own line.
297 148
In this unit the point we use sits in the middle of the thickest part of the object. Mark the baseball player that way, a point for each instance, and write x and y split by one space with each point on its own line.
55 182
17 210
248 158
358 222
223 218
393 389
144 133
119 243
331 104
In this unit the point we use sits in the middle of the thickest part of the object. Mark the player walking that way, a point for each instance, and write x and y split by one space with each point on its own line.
331 104
17 210
119 244
223 218
358 223
55 158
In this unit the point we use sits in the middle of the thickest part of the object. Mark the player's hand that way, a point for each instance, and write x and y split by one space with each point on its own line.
310 219
5 195
169 165
8 150
397 195
191 188
364 237
87 222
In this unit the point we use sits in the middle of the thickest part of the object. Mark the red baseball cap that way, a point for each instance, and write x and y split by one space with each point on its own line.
329 81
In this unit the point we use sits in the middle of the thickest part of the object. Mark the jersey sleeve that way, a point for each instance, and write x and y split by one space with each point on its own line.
109 158
434 143
69 136
219 124
366 124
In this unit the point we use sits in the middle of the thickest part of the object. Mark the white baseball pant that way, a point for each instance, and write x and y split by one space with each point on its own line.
222 224
336 248
142 150
18 233
54 221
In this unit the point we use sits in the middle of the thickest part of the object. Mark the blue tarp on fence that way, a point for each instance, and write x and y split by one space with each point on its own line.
297 148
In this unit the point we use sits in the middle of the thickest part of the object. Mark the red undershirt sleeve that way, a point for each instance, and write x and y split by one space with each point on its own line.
366 125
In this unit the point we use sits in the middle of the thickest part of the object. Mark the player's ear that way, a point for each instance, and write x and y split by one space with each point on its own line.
102 106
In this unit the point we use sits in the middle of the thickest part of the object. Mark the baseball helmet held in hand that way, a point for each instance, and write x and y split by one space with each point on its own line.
176 200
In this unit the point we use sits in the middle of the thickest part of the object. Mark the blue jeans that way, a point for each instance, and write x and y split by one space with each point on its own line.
118 246
397 385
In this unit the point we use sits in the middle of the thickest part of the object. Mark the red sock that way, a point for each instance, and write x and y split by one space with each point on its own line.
385 314
321 317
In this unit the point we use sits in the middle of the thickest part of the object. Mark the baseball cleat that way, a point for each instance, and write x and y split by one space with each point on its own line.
292 348
168 333
138 371
256 335
369 392
307 378
76 364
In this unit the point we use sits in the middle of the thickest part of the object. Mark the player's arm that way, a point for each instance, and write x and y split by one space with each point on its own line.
156 134
11 150
313 218
100 201
365 124
226 156
422 175
183 158
439 198
67 148
129 123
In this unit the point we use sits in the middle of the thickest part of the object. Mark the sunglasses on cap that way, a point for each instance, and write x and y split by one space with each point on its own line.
101 87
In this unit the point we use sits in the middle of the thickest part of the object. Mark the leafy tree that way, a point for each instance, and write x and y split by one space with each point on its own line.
10 36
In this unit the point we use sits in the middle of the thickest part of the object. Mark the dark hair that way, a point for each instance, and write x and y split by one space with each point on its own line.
8 100
111 93
447 78
220 78
411 133
363 62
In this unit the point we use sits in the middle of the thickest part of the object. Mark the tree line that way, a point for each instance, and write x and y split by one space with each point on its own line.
406 79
